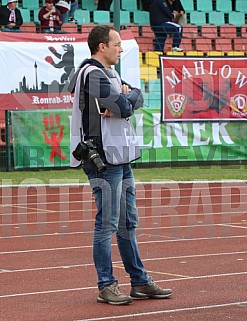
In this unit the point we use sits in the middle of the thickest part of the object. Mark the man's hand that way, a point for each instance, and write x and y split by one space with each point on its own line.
125 89
53 10
11 25
59 21
107 113
176 14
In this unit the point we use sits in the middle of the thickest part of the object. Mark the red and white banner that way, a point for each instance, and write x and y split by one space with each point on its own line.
204 88
36 68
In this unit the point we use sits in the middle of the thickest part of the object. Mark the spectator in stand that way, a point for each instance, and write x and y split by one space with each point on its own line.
63 7
162 17
50 19
10 17
103 4
71 12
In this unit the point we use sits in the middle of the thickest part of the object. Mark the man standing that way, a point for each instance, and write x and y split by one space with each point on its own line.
162 17
10 17
102 106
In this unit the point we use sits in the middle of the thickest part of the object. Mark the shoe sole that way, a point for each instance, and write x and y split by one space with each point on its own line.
100 300
139 295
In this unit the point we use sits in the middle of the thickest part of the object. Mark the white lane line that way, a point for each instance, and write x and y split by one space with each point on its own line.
224 305
235 226
26 205
14 295
155 182
120 262
141 217
126 284
48 268
140 229
140 242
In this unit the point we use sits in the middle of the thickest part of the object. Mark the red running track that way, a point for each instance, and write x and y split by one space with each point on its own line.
192 238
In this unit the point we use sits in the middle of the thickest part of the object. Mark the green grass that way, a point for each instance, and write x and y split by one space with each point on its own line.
161 173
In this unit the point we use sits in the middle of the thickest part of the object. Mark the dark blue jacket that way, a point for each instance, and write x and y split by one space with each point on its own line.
160 11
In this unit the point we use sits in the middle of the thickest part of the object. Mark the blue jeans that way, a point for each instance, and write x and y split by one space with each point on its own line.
72 10
114 192
6 29
163 30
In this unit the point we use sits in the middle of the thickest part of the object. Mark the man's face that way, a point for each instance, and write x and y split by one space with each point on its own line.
113 48
49 5
12 5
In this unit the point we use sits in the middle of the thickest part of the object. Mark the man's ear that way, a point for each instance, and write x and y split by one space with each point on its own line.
102 47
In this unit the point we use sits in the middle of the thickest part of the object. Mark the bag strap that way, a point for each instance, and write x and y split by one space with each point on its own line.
81 78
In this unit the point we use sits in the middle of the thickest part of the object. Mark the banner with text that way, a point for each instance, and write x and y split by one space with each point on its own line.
204 88
37 68
41 139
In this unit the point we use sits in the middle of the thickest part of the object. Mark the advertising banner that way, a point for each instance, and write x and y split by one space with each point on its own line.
204 88
41 139
189 141
37 68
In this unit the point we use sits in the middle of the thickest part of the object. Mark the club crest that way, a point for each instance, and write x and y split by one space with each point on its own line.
176 104
239 104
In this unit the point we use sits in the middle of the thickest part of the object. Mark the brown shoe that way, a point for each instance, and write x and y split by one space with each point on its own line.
112 295
150 291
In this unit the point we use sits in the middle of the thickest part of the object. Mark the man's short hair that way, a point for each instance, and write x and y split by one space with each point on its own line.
99 34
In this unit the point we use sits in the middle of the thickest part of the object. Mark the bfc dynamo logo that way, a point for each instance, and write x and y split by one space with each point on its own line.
176 104
239 105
